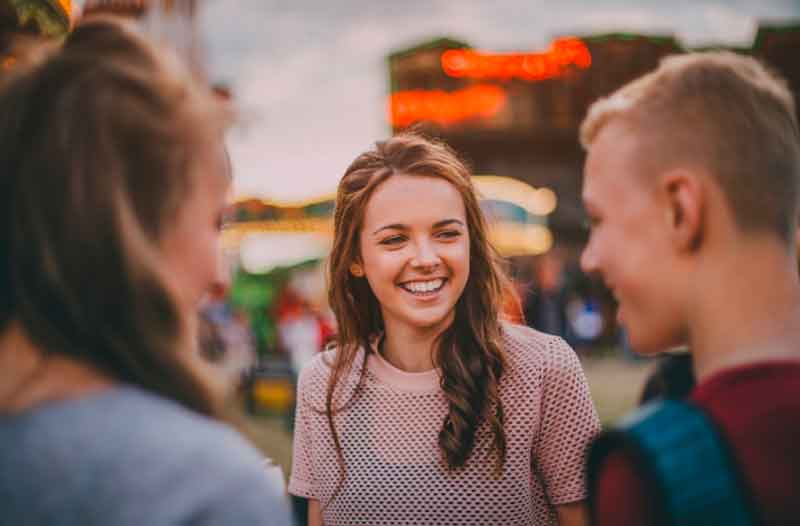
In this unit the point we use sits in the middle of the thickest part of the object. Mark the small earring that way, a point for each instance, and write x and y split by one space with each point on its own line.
356 270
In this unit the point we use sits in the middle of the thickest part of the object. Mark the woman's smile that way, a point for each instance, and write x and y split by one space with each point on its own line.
426 289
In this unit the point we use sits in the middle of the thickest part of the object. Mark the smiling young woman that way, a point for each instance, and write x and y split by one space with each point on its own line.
428 409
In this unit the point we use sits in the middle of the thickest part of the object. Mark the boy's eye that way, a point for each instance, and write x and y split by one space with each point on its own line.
590 223
226 218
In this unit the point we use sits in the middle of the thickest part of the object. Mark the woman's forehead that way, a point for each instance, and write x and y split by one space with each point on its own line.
414 199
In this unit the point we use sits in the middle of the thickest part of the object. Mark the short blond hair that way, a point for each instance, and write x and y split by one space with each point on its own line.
725 112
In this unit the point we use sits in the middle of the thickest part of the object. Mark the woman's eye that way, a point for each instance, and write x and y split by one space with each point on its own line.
393 240
449 234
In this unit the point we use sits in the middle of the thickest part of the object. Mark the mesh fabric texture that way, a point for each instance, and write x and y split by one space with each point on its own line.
395 474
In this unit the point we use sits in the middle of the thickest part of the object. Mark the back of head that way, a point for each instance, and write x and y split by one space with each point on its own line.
724 113
96 156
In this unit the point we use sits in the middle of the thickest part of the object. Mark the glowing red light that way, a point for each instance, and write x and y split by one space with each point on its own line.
564 52
442 107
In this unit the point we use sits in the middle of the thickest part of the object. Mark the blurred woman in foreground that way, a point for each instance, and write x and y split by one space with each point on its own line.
112 185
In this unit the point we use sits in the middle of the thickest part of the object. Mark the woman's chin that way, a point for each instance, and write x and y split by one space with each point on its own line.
429 320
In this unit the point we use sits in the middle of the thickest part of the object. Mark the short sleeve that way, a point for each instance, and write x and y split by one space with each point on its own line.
302 481
568 425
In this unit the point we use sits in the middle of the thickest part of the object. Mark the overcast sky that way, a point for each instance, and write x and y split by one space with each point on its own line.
311 78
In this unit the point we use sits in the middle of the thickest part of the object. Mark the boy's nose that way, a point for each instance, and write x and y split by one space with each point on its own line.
588 260
222 275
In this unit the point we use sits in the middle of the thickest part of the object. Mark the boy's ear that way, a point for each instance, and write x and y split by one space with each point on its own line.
685 199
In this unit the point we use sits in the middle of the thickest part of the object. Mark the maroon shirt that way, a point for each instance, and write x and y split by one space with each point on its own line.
757 409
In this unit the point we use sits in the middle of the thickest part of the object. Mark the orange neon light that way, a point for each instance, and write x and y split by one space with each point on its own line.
442 107
564 52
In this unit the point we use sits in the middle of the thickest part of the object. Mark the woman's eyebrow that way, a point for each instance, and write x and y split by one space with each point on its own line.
438 224
393 226
445 222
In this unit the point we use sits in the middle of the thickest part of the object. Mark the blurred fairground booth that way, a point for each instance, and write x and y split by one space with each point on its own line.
517 114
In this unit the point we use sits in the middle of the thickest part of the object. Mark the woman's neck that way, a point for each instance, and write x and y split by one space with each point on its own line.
409 348
30 377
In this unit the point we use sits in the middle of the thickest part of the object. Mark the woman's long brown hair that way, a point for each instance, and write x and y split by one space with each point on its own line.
97 153
468 353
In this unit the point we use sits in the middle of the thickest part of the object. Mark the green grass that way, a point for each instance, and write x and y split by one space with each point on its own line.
615 384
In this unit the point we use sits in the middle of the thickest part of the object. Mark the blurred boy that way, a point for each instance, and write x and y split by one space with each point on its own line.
691 186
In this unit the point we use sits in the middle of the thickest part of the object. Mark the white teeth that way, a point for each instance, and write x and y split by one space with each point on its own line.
424 286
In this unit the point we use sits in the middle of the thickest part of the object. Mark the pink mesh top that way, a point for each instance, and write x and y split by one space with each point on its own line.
395 472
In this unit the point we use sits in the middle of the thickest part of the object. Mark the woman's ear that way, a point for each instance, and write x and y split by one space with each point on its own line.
685 202
357 270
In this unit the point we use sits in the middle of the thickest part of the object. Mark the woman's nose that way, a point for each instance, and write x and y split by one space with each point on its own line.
425 255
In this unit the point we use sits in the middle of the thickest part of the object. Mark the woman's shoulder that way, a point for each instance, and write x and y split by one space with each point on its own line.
524 343
220 472
539 361
140 450
314 377
320 366
159 426
534 352
205 464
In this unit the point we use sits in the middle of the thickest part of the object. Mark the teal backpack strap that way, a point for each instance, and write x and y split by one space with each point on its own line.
682 453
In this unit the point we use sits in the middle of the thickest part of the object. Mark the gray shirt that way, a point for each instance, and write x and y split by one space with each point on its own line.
127 457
